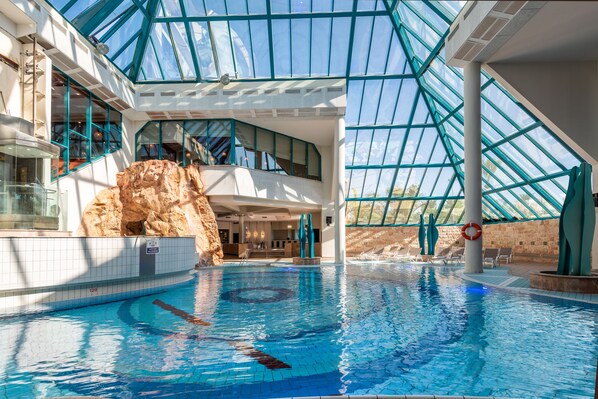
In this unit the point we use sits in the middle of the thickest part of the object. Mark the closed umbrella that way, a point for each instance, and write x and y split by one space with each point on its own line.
310 237
576 226
301 237
432 235
421 235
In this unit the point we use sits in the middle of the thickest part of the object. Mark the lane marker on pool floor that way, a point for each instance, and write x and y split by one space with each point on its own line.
262 358
244 348
181 313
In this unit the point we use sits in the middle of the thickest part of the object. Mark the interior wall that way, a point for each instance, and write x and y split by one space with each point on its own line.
532 241
10 82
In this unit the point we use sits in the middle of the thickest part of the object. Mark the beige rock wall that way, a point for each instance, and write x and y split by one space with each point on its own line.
535 241
156 198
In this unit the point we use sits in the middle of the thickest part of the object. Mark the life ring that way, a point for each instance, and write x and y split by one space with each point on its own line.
473 237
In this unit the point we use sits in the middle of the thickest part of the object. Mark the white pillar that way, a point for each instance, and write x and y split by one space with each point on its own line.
473 164
242 229
339 200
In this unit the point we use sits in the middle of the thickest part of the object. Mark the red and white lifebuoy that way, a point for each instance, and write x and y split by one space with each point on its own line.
477 234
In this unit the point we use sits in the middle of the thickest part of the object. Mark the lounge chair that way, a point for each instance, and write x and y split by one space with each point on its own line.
505 254
373 255
398 253
490 255
415 254
443 255
456 256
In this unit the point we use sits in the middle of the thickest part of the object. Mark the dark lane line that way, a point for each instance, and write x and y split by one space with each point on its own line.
262 358
244 348
181 313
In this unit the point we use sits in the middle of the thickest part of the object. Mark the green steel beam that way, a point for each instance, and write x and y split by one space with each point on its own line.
146 28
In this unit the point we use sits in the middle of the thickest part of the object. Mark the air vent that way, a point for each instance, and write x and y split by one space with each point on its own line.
191 93
149 94
210 93
248 92
508 7
334 89
271 91
293 91
167 93
229 92
313 91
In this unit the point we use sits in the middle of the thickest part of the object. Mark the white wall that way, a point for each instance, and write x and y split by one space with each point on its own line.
9 78
257 185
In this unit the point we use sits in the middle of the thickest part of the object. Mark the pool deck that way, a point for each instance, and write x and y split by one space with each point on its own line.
515 277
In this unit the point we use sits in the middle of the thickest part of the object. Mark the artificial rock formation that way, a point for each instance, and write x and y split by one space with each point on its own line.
156 198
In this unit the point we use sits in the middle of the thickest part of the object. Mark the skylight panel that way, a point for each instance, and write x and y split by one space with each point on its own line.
222 38
204 50
150 68
169 8
260 48
194 8
281 38
123 34
242 46
183 51
160 39
361 44
300 42
322 6
321 29
125 56
215 7
339 48
394 146
405 102
385 182
378 148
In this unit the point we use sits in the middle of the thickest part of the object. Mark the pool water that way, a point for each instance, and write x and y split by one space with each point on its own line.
264 332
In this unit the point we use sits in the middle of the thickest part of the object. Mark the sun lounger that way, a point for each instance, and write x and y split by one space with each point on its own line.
442 256
456 256
490 256
505 254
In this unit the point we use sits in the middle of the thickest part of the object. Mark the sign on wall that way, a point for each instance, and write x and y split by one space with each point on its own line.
152 246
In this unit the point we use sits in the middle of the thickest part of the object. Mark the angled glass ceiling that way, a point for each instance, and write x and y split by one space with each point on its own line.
404 104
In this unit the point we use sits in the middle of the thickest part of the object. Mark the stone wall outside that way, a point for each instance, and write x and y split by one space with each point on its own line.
532 241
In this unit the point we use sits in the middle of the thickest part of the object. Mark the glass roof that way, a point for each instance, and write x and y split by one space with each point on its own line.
404 104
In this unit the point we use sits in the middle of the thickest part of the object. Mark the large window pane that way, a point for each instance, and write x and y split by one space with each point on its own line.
299 155
265 151
172 142
313 163
219 142
283 154
244 145
148 142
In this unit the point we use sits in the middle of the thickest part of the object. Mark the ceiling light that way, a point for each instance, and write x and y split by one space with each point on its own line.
100 48
225 79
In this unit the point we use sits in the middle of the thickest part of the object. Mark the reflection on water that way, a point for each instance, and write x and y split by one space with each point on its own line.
386 329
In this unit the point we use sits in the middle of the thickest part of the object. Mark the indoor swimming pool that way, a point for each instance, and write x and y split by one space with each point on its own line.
269 332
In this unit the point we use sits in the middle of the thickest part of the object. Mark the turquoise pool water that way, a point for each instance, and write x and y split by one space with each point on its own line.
265 332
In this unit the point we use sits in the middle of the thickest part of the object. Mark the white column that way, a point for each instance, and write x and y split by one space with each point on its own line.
473 164
339 181
242 229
